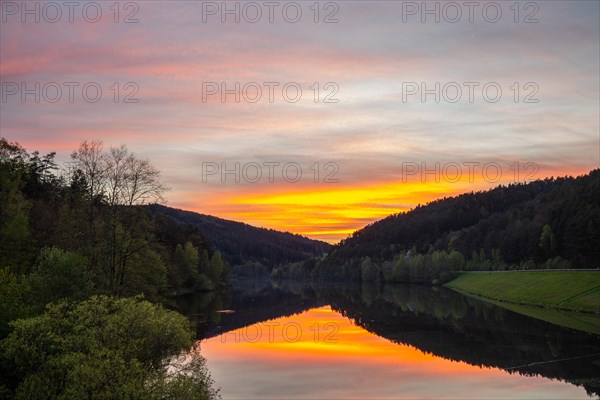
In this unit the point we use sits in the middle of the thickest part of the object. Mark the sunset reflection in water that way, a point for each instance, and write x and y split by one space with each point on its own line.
320 354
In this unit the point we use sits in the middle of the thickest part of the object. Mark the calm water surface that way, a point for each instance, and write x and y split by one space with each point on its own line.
301 341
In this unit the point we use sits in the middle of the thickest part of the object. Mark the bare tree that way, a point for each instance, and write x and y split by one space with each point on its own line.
143 184
116 161
121 180
132 181
88 159
118 176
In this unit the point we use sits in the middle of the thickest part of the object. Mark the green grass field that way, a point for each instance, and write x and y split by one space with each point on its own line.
561 290
566 298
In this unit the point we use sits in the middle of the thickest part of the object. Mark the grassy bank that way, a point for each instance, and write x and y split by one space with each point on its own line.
568 298
563 290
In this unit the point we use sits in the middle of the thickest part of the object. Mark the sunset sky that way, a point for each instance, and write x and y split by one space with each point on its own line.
371 139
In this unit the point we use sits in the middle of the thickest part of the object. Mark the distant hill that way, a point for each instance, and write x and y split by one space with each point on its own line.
241 243
508 221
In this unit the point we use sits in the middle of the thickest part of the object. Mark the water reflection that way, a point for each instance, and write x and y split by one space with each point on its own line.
391 342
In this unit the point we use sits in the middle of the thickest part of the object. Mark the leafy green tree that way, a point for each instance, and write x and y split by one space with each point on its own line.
14 207
106 348
215 268
61 275
457 261
400 271
204 262
147 275
547 241
14 295
186 260
369 272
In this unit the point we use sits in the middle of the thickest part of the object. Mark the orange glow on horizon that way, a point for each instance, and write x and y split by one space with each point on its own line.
333 212
329 214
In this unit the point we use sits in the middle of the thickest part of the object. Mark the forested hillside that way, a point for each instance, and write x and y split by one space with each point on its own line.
552 223
245 246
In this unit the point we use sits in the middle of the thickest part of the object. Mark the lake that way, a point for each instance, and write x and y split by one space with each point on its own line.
290 340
